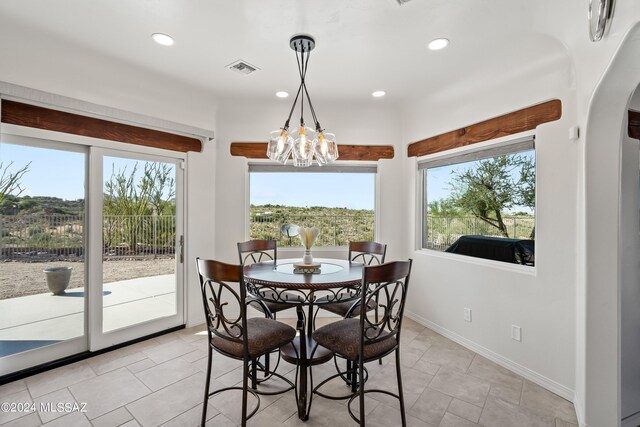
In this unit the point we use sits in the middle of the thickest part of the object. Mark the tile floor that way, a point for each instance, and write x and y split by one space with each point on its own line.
159 382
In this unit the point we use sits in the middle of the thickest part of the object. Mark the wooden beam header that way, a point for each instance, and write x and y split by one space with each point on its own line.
21 114
634 124
258 150
518 121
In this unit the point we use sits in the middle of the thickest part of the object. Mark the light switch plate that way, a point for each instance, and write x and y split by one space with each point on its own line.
467 315
516 333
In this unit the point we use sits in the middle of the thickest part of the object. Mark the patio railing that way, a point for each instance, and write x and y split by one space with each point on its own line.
335 230
38 237
35 237
441 232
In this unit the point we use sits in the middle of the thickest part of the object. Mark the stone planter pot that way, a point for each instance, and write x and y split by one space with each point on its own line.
57 279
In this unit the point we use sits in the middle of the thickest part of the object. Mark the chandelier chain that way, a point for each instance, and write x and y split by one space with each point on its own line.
302 83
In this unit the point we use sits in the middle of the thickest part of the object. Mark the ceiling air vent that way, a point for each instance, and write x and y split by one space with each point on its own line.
401 2
242 67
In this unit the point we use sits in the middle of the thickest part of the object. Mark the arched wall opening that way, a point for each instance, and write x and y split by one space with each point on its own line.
608 176
630 268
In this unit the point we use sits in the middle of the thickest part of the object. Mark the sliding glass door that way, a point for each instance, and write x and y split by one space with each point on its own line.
43 285
137 256
90 248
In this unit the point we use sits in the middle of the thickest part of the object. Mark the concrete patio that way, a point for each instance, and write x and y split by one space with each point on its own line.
37 320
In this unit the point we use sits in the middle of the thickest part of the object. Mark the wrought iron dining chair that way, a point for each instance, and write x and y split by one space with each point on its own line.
230 332
363 340
367 253
253 251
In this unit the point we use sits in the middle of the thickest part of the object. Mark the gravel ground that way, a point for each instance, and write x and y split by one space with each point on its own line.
26 278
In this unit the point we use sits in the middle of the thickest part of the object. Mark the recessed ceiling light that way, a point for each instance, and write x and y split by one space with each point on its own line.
379 94
438 44
282 94
162 39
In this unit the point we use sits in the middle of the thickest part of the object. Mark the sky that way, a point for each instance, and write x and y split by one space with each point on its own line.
56 173
438 180
51 173
337 190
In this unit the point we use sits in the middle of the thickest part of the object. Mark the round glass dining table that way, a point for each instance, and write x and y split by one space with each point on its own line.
337 281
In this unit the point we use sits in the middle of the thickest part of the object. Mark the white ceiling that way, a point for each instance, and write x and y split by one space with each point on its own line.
362 45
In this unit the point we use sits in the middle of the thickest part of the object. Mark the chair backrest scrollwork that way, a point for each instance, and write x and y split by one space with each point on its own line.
224 306
367 253
387 284
253 251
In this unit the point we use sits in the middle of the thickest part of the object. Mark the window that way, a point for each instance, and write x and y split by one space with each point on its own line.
481 203
338 200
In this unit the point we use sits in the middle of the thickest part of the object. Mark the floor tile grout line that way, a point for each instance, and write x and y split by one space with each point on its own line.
122 406
469 367
446 410
33 400
149 394
173 418
25 414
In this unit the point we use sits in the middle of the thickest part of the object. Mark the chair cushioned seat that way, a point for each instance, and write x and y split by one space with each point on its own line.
264 335
343 337
274 307
341 308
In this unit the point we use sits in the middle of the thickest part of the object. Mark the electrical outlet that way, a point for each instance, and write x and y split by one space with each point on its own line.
516 333
467 315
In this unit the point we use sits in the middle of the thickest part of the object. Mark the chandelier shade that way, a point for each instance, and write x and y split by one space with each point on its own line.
304 142
280 146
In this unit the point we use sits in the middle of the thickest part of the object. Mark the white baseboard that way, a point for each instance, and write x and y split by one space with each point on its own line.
523 371
632 420
577 404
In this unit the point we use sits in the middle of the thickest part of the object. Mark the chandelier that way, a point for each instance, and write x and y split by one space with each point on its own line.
304 143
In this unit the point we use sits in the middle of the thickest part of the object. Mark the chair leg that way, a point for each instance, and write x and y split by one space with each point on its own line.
376 317
361 391
266 365
400 392
245 384
207 382
266 356
254 377
354 376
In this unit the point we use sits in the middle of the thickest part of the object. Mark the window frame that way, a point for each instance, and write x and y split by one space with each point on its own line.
500 146
269 167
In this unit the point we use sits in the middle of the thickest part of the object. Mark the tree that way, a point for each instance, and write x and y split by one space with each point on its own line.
131 201
527 187
443 208
10 181
155 190
494 185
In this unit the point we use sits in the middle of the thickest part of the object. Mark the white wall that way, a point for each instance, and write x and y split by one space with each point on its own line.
372 123
542 300
630 271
